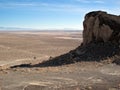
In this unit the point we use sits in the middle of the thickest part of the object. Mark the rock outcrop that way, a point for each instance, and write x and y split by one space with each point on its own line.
101 27
101 39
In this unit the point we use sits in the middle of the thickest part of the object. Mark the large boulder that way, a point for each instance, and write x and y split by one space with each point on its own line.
101 27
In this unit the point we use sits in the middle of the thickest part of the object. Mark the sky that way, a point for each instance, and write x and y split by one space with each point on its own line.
51 14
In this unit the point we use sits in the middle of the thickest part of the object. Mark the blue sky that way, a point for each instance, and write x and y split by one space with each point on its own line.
51 14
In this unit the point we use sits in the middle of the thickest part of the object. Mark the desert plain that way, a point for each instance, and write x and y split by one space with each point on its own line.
24 47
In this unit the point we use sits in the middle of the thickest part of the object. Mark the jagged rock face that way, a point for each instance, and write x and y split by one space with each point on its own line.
101 27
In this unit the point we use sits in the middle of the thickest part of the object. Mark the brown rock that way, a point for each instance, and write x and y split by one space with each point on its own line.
101 27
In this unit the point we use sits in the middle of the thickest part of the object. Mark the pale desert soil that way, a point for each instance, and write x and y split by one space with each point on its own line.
79 76
23 47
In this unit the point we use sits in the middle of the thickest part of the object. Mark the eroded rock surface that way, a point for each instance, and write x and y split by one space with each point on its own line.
101 27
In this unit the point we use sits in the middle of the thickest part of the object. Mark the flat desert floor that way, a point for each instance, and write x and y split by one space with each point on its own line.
21 47
34 47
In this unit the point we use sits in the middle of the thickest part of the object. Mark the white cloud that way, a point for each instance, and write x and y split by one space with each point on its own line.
91 1
99 2
60 7
4 5
84 1
45 6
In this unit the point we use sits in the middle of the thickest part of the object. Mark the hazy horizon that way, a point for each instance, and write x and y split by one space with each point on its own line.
32 29
50 14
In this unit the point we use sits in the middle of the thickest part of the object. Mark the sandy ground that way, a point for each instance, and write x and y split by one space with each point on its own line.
79 76
22 47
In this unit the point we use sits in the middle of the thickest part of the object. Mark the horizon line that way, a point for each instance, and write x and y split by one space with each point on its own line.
20 28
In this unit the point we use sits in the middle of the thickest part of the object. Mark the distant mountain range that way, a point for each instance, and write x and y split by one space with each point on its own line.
13 28
29 29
